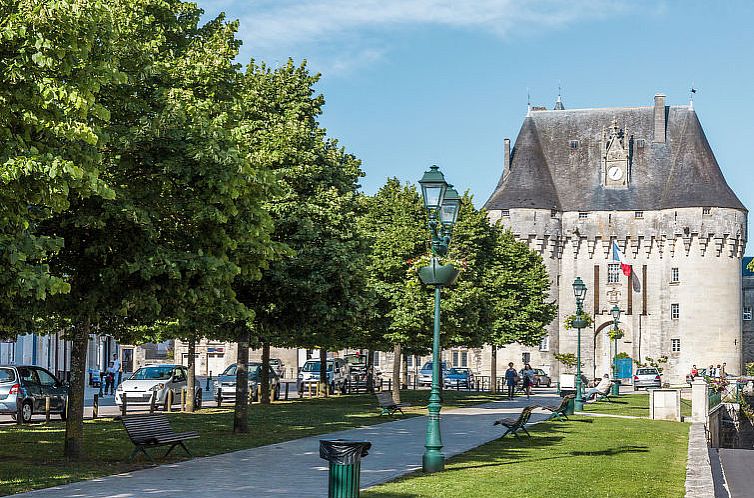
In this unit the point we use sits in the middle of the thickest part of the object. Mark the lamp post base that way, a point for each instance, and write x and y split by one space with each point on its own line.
433 461
578 405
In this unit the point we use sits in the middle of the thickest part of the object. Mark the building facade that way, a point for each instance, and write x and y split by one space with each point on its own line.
746 312
646 178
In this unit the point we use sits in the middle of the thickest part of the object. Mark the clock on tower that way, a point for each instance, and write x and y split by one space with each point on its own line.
615 159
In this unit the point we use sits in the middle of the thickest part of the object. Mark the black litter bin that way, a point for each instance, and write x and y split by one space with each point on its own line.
345 465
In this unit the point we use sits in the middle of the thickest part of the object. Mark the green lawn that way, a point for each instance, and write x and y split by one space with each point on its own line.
636 405
585 457
30 456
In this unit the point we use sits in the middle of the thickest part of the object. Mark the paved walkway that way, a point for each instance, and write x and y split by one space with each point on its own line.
293 468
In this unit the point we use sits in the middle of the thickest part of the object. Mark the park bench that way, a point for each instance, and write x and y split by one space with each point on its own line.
604 394
559 411
388 404
513 425
153 430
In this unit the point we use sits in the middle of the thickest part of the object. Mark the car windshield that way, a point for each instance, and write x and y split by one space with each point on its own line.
457 371
253 370
7 375
428 365
313 366
153 373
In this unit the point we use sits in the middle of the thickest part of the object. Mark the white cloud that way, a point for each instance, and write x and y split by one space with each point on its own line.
276 27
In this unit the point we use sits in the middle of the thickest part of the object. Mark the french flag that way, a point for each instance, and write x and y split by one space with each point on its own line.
618 257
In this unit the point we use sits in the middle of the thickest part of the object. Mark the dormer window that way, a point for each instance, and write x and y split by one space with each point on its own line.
583 215
573 144
707 211
640 143
505 213
638 214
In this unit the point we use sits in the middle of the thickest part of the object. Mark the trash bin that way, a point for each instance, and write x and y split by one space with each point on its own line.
345 465
615 388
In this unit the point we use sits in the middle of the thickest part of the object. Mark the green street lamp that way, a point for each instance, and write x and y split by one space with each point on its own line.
615 311
442 203
579 291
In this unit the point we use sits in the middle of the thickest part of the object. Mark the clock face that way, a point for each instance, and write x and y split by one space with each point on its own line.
615 173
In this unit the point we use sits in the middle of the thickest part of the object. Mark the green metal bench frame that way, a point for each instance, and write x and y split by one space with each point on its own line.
518 424
388 404
559 411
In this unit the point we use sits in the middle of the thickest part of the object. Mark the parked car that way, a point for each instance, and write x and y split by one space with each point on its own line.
278 366
337 370
647 377
459 377
227 382
425 373
160 379
357 371
541 379
27 386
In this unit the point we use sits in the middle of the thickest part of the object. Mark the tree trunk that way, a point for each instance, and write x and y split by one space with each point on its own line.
74 425
241 409
404 372
191 380
370 371
323 370
396 373
264 377
493 370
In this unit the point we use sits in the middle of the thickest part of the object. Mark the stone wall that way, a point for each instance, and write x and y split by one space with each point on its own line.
705 245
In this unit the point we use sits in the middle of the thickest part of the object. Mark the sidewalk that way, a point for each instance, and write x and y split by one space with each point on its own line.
293 468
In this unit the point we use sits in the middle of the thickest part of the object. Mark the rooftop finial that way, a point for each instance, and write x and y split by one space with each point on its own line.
528 103
559 102
692 91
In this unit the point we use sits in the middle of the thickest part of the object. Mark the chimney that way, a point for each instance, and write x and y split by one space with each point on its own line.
659 135
506 155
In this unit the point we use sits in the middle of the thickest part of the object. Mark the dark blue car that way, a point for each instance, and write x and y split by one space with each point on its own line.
459 377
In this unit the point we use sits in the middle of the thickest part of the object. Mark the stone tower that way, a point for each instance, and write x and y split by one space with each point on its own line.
645 177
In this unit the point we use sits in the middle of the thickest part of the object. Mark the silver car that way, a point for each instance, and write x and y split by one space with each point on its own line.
647 377
227 382
27 386
158 380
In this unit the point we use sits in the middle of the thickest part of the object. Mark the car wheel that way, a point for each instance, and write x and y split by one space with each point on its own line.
26 412
198 400
636 388
549 383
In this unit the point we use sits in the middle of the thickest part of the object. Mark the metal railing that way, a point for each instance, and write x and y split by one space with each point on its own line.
714 397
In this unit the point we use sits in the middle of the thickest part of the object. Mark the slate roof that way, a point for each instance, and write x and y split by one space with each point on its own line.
545 172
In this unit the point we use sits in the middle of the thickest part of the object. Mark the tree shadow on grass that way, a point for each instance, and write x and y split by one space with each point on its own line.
612 451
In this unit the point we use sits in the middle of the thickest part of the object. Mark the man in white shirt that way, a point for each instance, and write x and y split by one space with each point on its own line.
116 370
600 388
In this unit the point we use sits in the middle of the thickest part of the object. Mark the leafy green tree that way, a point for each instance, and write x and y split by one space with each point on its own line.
56 59
313 295
187 195
517 284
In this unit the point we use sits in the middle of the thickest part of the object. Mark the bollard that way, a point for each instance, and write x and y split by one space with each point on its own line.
124 406
219 396
170 397
95 406
183 399
152 401
47 409
390 384
286 390
19 410
458 385
208 380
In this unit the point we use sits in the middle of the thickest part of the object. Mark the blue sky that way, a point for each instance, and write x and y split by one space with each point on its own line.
413 83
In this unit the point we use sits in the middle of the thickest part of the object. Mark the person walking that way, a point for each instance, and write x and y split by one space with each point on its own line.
510 379
109 378
527 374
116 371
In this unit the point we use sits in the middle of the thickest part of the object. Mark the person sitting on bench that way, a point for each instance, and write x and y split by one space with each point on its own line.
599 388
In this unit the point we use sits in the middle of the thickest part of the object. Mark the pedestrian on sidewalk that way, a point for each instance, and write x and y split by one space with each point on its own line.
511 377
116 370
528 379
109 379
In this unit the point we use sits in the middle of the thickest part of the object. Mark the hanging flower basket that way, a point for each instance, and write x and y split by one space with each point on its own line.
437 274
